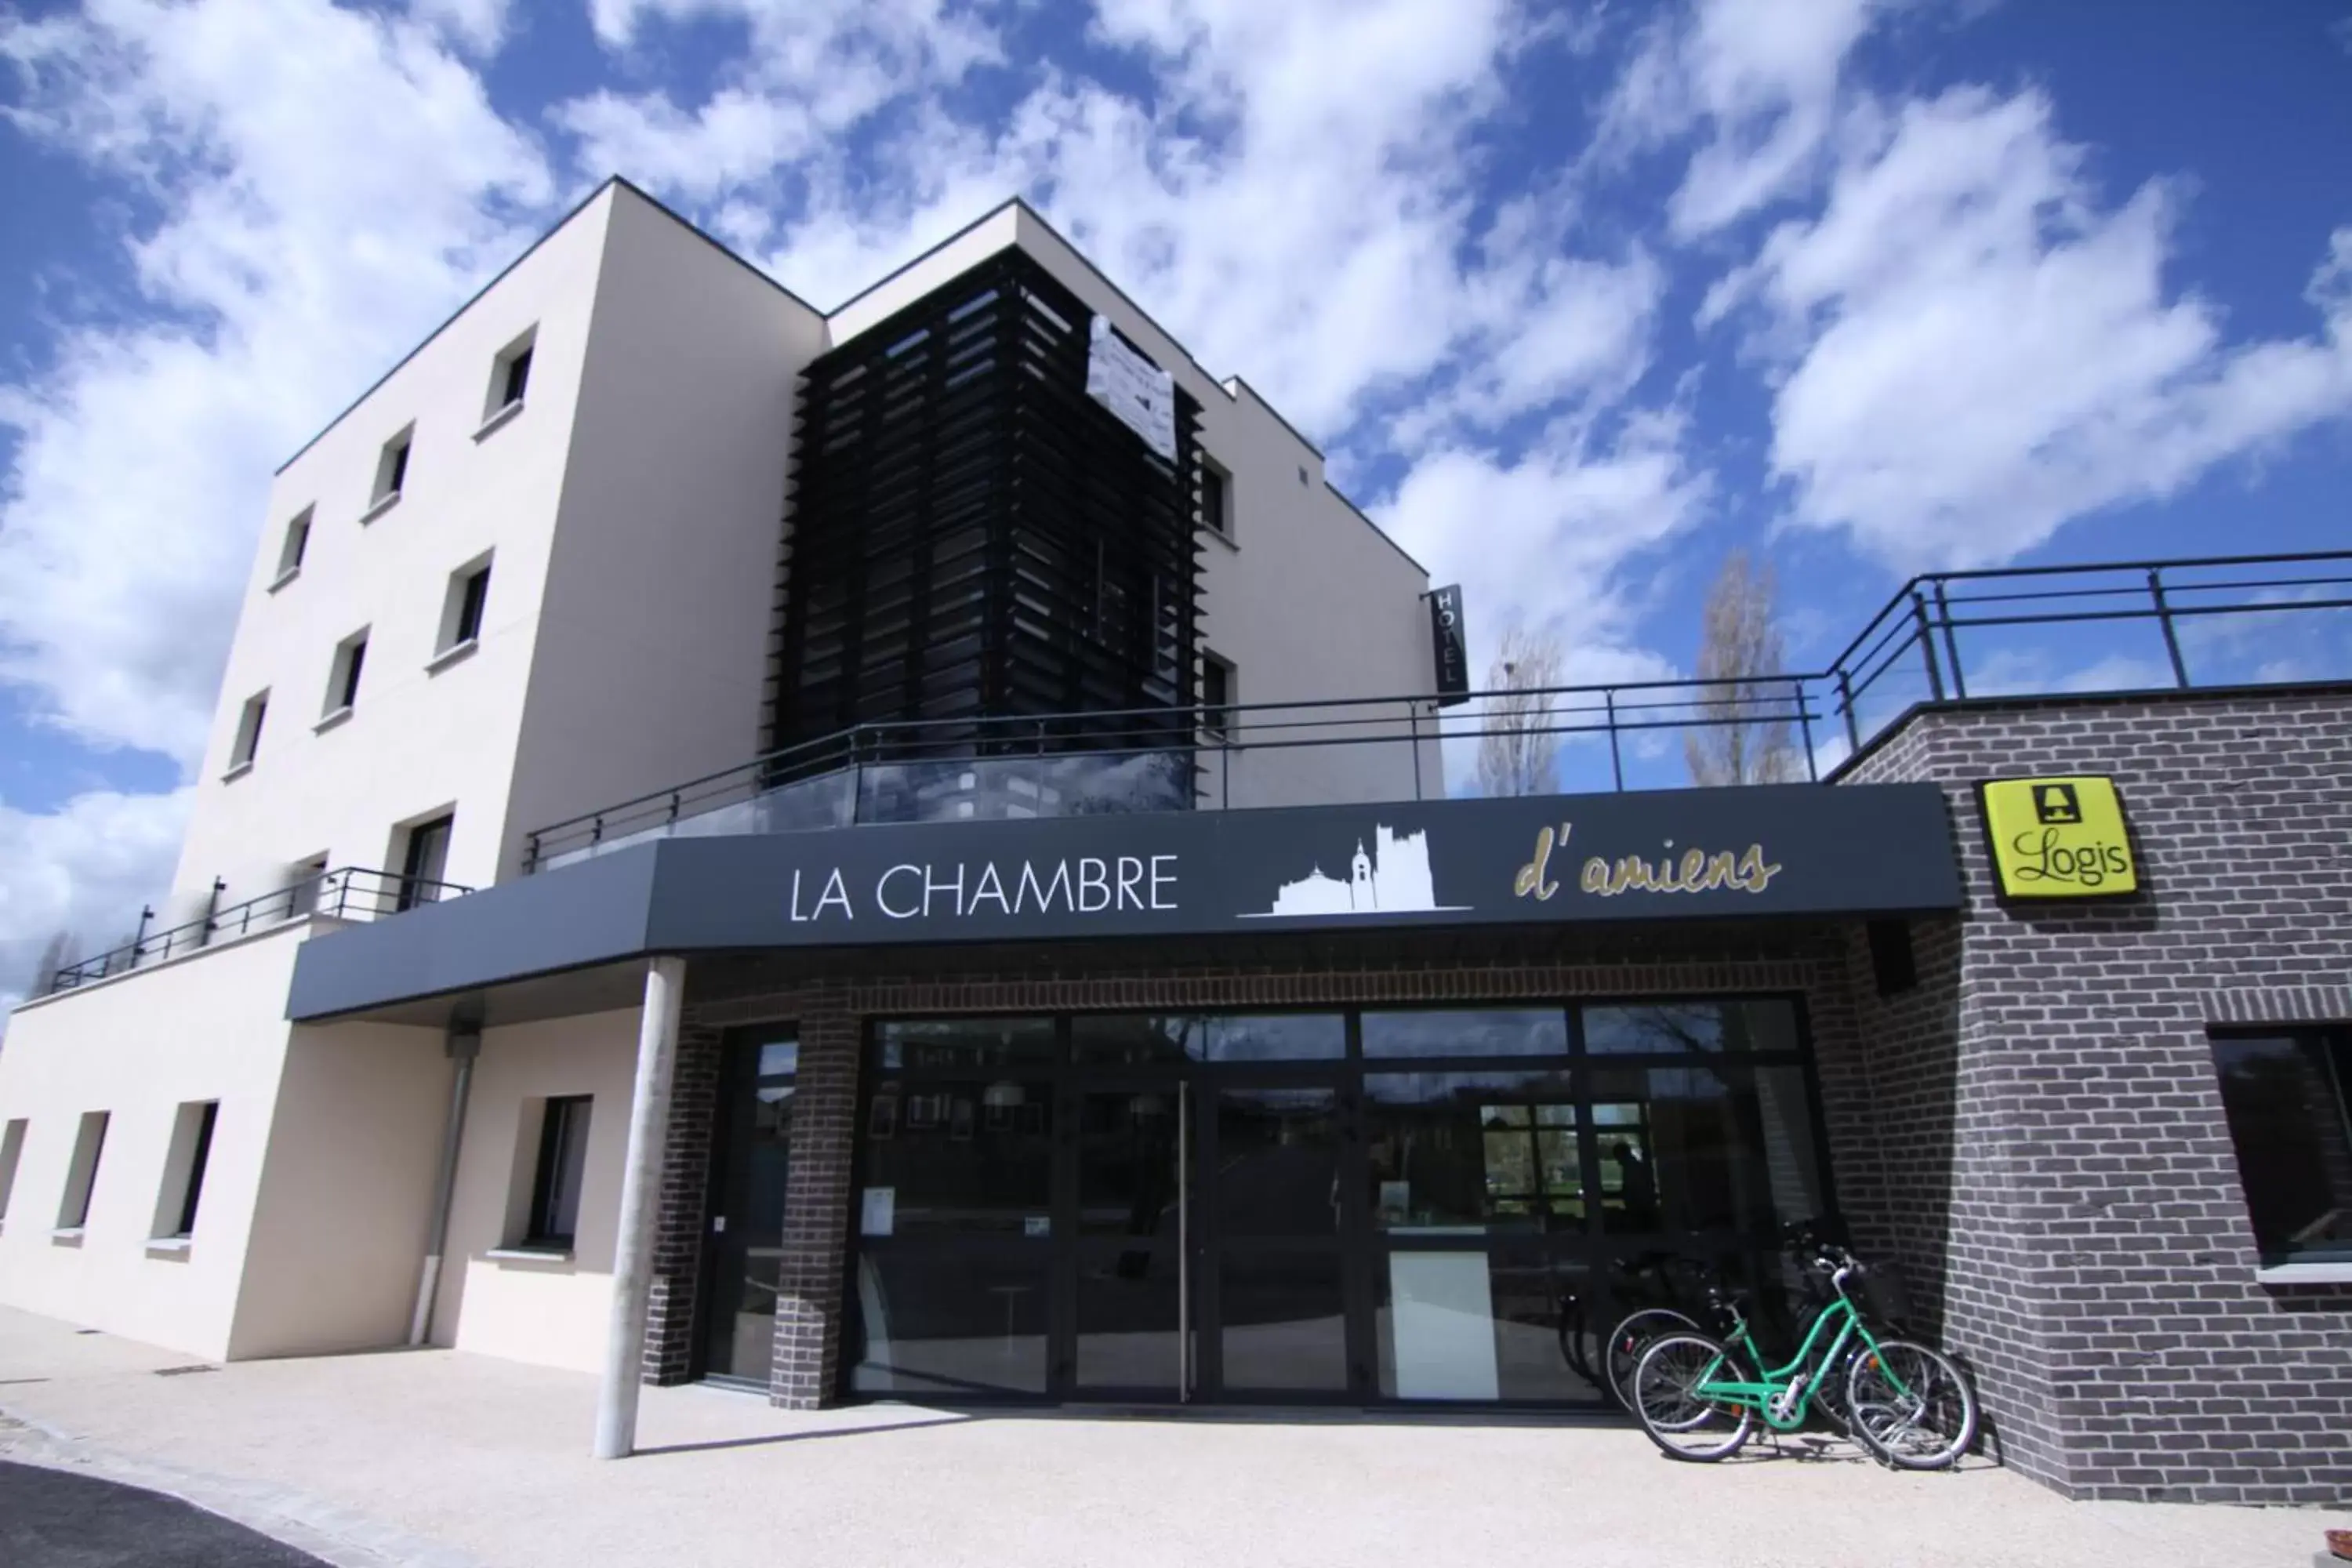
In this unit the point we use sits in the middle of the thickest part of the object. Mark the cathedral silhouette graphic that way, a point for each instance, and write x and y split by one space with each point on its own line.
1392 878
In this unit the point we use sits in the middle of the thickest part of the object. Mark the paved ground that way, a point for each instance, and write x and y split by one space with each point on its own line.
54 1519
434 1460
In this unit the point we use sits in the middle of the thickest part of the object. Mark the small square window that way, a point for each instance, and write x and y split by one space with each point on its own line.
462 606
296 542
2284 1094
392 470
509 376
249 731
1217 684
81 1175
184 1160
561 1166
343 680
1216 499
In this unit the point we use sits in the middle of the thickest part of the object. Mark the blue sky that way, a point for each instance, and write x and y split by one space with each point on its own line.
1577 298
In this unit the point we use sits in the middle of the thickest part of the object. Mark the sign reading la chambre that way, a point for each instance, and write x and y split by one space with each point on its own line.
1713 854
2058 837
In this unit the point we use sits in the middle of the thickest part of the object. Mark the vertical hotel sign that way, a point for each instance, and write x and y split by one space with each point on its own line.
2058 838
1449 645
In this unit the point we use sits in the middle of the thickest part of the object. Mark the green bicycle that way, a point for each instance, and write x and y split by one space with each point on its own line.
1908 1405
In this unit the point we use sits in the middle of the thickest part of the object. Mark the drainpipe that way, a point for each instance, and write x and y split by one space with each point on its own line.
633 1243
464 1042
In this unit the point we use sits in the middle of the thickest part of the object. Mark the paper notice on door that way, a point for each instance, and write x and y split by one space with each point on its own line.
879 1211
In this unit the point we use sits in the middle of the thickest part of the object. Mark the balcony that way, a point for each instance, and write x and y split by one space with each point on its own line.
351 893
1944 637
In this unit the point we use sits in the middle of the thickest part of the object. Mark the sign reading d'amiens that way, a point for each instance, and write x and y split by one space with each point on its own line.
2058 838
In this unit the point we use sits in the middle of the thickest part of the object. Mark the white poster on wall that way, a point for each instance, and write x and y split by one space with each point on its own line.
1142 393
878 1216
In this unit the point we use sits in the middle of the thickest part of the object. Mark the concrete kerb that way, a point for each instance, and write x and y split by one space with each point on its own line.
336 1535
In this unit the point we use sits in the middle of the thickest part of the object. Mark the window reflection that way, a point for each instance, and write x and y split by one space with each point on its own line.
1474 1149
966 1154
1283 1327
1698 1148
2285 1098
948 1322
1277 1162
1466 1033
954 1044
1675 1028
1149 1037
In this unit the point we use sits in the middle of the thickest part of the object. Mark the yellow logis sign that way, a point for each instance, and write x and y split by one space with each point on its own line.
2058 838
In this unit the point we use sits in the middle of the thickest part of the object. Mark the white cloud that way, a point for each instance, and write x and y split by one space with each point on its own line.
1974 348
84 870
1759 78
1543 540
810 72
479 25
329 185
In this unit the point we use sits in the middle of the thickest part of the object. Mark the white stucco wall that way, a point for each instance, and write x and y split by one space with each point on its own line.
651 660
346 1194
549 1311
418 740
206 1027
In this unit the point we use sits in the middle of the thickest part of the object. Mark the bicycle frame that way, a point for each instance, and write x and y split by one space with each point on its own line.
1790 1387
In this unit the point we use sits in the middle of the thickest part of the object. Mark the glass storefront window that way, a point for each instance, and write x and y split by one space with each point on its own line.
1148 1038
1277 1162
1704 1147
962 1044
1466 1033
1479 1325
1678 1028
963 1155
948 1322
1472 1150
1285 1326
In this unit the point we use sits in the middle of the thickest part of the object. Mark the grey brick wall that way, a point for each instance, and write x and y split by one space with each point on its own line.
2058 1177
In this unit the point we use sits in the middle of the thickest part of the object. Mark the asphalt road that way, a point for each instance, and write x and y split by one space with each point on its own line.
51 1519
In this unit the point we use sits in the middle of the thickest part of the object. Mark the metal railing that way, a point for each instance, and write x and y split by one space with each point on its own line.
1943 637
351 893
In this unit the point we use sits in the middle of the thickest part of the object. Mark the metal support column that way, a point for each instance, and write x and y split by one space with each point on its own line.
633 1244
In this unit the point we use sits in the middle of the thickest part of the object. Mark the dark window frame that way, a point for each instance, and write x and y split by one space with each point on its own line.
559 1172
199 1157
515 376
473 598
415 887
2334 1043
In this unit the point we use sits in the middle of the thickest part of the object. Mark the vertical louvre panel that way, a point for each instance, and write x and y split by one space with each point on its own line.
973 537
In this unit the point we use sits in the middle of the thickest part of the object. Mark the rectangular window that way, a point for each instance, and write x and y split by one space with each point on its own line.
12 1149
1216 499
81 1175
510 380
2283 1093
426 862
1216 693
184 1170
343 680
298 539
249 731
518 378
462 606
305 881
392 468
555 1183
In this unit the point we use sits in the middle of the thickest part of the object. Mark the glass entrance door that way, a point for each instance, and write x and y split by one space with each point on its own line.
1133 1329
747 1212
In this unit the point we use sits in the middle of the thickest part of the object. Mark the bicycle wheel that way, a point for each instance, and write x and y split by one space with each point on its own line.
1631 1337
1574 1339
1683 1424
1910 1406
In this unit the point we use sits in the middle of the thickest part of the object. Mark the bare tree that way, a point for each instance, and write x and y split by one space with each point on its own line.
1746 737
1516 751
56 953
